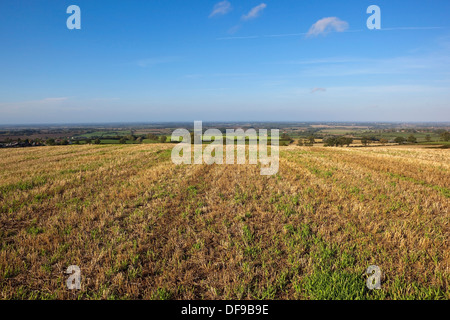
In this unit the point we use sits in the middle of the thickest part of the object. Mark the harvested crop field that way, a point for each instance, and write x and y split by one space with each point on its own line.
140 227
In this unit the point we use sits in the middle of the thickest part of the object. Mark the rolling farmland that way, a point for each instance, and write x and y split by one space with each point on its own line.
141 227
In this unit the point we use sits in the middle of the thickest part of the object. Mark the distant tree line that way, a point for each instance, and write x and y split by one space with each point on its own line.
402 140
309 141
338 141
135 139
445 136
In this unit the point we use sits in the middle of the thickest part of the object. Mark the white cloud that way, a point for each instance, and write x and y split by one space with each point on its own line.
221 8
326 25
255 12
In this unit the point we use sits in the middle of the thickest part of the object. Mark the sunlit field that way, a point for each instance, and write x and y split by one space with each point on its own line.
140 227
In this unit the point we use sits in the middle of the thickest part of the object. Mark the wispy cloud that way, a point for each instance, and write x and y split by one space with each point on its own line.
282 35
221 8
435 63
237 38
394 89
254 12
220 75
314 90
410 28
45 101
29 107
327 25
235 28
329 60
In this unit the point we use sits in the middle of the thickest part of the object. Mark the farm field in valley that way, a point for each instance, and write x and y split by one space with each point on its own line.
141 227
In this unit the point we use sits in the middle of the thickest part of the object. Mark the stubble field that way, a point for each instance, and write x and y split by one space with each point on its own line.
140 227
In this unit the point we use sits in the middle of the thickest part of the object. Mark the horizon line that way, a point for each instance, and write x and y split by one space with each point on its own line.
223 122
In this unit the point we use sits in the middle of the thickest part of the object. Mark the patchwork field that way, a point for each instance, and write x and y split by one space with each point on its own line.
140 227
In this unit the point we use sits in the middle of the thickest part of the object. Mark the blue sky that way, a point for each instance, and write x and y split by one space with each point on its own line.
177 60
